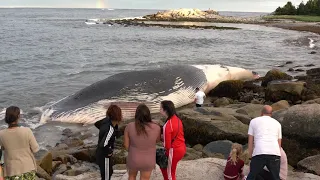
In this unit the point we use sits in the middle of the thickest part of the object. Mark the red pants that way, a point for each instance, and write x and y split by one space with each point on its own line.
175 155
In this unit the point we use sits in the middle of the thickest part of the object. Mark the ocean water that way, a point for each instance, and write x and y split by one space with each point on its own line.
47 54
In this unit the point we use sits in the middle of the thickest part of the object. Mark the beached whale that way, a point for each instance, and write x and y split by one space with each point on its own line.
129 89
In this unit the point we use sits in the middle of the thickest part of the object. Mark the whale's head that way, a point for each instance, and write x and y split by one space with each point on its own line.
218 73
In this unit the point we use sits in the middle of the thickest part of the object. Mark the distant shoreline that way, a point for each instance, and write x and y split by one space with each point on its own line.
192 19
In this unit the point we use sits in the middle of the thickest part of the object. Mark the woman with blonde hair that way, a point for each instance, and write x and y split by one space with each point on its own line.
234 166
18 144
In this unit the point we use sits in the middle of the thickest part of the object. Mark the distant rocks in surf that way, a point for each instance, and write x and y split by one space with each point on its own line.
179 25
197 15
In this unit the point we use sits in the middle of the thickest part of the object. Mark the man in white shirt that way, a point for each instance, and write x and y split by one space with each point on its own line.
264 144
200 95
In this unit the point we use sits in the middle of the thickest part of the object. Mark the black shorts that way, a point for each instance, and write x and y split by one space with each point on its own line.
198 105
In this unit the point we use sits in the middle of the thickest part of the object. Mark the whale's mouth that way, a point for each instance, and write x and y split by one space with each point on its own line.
94 112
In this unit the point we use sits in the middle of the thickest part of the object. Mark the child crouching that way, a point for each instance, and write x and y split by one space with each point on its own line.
234 166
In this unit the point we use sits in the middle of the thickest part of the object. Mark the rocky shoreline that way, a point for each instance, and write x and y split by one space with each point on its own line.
210 131
194 17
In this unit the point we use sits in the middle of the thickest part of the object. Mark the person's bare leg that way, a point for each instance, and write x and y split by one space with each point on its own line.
132 175
145 175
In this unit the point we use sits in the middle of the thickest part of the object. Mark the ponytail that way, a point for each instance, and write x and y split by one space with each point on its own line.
233 156
236 151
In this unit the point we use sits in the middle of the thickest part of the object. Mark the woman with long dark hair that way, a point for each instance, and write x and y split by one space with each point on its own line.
173 139
108 129
18 144
140 138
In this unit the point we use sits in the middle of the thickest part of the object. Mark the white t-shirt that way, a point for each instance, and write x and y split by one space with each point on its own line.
200 97
266 132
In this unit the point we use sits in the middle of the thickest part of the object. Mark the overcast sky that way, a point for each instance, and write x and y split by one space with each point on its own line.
220 5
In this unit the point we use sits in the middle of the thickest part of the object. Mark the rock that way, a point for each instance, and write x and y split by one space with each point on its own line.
120 156
85 176
120 167
314 101
66 158
198 147
284 90
279 115
55 164
310 164
61 147
290 69
283 104
313 52
73 142
256 101
67 132
274 75
46 162
299 70
192 154
302 121
208 124
229 88
252 110
87 154
61 169
218 147
76 171
309 65
245 119
289 62
42 173
221 102
207 168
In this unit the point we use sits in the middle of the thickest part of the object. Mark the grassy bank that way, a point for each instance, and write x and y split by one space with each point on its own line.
293 17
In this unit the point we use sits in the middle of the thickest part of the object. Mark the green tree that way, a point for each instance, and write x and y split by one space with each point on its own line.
301 10
289 9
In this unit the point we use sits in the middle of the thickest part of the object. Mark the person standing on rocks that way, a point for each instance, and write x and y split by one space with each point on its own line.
108 129
18 144
264 144
140 139
199 97
173 139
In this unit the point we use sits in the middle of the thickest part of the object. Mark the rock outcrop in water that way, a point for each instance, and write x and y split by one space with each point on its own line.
198 16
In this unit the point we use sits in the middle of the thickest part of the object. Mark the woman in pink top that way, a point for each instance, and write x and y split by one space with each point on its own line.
140 138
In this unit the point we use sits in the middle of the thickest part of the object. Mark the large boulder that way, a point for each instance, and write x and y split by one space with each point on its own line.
310 164
283 104
218 147
303 122
192 154
204 125
221 102
229 88
252 110
274 74
284 90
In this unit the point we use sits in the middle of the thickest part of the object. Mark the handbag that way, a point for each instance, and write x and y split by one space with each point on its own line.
161 158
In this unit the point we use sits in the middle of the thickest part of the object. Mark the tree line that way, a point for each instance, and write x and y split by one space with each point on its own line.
312 7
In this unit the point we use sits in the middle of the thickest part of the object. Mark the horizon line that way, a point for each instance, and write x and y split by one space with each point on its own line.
48 7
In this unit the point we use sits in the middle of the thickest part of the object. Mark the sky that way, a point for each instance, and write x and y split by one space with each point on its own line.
219 5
